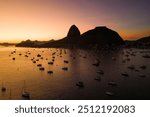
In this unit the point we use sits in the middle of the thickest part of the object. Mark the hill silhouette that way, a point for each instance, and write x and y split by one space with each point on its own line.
144 39
7 44
143 43
73 38
29 43
73 32
99 36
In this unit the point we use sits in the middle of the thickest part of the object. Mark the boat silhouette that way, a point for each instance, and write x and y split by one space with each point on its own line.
25 94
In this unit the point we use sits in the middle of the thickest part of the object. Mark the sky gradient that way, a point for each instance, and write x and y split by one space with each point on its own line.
51 19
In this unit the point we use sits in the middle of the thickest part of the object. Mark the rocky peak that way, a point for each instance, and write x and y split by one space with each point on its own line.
73 31
101 28
101 35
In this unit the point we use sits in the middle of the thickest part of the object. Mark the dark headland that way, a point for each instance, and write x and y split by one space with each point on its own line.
142 43
95 38
7 44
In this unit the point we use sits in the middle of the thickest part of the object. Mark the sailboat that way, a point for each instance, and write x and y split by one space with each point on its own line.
3 88
25 94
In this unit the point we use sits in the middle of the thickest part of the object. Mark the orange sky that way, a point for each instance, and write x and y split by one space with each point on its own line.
51 19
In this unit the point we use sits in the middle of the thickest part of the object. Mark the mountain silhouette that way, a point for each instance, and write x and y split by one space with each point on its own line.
142 43
99 36
73 32
73 36
29 43
144 39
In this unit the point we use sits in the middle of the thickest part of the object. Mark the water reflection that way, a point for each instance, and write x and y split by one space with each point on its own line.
70 74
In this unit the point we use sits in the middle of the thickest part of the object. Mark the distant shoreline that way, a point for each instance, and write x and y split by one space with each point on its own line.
7 44
99 37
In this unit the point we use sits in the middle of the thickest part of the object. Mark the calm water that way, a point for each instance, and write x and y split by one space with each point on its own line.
62 83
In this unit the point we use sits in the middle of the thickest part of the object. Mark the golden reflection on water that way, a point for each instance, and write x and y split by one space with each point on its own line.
61 84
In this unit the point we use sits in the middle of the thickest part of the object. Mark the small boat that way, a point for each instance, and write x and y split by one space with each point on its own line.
37 59
143 67
80 84
136 70
42 68
26 56
128 59
132 54
54 53
109 93
65 68
127 55
123 61
50 72
101 72
38 55
39 65
112 83
142 75
125 74
113 58
50 63
96 63
3 87
65 61
146 56
131 67
98 79
84 56
25 94
34 61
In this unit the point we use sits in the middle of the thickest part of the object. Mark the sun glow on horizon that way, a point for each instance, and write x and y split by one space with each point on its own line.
48 19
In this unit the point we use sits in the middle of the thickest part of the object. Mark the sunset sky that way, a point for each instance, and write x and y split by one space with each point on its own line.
51 19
